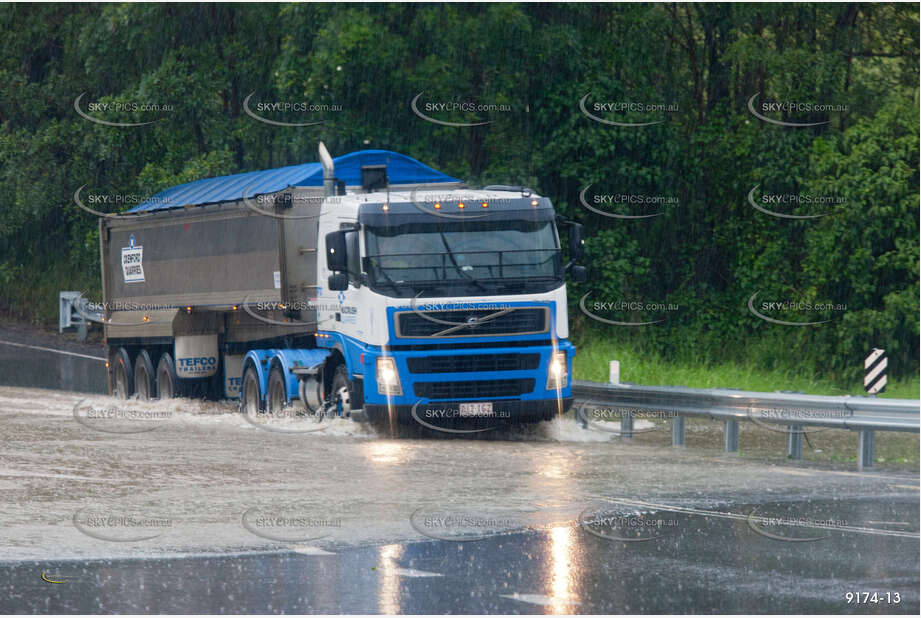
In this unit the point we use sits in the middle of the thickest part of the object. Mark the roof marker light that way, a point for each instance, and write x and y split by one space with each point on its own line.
534 203
385 207
437 205
460 205
485 204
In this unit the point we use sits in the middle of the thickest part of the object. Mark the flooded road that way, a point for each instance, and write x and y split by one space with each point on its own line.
713 564
185 505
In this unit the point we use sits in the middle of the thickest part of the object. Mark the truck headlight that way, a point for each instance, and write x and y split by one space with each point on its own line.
557 373
388 379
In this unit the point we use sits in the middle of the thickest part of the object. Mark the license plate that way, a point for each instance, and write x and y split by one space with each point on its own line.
477 408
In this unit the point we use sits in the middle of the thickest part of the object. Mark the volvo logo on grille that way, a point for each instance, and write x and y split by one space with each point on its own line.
476 323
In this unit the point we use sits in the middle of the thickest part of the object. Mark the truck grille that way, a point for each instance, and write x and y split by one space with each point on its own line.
474 389
473 362
531 320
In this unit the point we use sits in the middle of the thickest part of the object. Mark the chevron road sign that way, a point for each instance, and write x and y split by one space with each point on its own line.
874 380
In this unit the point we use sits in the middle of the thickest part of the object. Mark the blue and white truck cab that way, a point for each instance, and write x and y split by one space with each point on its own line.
449 299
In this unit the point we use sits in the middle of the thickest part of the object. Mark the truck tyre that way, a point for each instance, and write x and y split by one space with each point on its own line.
123 382
250 393
277 395
144 384
167 382
342 390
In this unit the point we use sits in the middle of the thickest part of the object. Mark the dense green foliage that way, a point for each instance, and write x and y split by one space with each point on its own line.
707 252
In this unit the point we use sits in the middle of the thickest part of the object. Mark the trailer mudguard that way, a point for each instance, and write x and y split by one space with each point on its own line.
260 360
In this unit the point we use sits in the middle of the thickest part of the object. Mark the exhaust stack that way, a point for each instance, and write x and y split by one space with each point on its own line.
329 171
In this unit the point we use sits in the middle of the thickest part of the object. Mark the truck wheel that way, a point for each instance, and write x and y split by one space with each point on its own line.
167 382
250 395
144 384
277 396
124 376
342 390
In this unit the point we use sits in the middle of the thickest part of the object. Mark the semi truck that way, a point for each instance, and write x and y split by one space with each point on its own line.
363 287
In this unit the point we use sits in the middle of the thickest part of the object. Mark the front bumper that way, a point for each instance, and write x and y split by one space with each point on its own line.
445 414
499 374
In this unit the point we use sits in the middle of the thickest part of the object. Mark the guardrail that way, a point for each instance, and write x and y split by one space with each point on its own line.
74 313
792 410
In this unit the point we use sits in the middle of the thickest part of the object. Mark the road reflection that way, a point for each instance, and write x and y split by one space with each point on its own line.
388 593
562 565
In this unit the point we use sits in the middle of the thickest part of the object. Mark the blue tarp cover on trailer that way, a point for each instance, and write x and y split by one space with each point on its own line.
400 170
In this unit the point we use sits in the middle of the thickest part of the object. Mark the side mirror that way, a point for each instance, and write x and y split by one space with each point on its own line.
338 282
577 273
576 244
336 252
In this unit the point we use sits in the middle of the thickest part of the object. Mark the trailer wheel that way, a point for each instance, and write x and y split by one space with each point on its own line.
124 376
167 382
277 396
144 384
250 395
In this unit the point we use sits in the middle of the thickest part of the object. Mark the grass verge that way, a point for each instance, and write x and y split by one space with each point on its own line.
594 354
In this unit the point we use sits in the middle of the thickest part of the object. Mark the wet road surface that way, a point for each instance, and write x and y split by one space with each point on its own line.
705 562
187 506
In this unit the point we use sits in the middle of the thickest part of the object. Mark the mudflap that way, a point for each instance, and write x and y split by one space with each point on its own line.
359 416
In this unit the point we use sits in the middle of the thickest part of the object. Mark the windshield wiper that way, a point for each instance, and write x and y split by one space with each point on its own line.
457 267
393 283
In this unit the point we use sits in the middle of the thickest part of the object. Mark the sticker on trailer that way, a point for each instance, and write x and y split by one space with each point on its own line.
233 371
133 262
196 356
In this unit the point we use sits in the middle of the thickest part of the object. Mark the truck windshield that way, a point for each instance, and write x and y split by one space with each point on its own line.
430 259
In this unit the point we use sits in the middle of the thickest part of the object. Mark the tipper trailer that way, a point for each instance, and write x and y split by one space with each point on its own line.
363 286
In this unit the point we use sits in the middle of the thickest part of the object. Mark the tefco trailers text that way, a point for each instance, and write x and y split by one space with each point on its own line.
438 295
